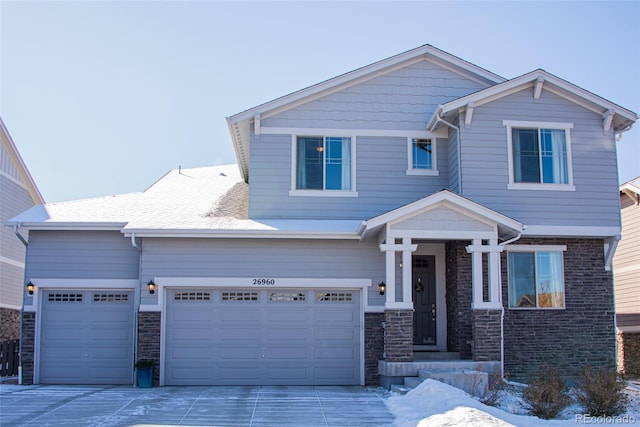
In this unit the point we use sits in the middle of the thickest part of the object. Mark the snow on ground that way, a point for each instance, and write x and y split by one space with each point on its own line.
435 404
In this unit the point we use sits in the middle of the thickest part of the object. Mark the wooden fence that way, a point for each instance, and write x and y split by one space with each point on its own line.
9 358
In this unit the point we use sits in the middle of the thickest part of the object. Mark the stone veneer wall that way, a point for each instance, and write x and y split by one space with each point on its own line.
149 340
373 346
486 344
9 324
583 333
458 297
398 335
629 354
27 347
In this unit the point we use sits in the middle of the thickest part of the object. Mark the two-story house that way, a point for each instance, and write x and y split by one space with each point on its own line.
18 192
417 204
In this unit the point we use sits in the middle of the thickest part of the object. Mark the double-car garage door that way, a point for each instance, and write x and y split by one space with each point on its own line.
262 337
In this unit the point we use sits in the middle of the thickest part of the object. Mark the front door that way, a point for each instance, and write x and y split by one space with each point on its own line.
424 300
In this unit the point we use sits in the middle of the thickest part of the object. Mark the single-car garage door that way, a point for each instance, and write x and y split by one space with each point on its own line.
262 337
86 337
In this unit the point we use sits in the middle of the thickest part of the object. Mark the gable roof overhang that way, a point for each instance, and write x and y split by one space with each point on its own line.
632 189
614 117
240 123
496 225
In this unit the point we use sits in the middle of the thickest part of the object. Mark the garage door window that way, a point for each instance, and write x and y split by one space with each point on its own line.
239 296
110 297
335 296
192 296
65 297
287 296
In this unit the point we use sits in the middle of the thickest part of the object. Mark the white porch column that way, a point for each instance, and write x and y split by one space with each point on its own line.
407 267
390 276
476 273
476 249
495 275
390 250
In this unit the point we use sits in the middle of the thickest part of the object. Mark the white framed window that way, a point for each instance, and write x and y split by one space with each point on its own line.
422 156
323 166
536 277
539 155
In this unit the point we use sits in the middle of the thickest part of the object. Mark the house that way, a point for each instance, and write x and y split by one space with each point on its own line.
417 205
626 264
18 192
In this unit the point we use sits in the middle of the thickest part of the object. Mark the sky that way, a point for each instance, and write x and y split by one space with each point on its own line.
105 97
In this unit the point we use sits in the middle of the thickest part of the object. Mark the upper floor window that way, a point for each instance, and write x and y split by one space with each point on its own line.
536 278
539 153
422 159
323 163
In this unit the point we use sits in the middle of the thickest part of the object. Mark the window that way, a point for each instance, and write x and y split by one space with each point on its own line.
536 279
323 163
421 157
539 153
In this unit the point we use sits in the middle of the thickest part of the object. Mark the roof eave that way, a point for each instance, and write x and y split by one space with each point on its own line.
242 234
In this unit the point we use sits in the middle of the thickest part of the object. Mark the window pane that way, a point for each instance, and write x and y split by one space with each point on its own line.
549 285
338 163
422 154
310 161
521 280
526 160
554 156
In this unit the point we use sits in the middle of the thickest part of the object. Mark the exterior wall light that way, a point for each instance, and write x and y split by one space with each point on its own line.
152 287
381 288
30 287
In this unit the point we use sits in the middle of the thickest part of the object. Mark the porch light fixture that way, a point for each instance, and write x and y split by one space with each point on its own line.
319 148
30 287
152 287
381 288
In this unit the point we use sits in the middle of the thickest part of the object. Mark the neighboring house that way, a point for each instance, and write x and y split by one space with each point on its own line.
18 192
418 204
626 270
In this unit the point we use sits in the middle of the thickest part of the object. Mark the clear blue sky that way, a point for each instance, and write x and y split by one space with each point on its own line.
104 97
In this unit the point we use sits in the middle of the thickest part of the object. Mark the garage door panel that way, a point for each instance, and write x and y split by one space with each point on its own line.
192 314
267 337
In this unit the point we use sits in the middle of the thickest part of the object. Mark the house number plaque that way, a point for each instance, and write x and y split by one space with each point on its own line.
264 282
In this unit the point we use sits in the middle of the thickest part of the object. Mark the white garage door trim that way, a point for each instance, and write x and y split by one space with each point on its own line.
360 285
48 284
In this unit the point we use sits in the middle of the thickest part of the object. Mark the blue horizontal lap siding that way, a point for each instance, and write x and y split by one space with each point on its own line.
485 164
81 254
246 258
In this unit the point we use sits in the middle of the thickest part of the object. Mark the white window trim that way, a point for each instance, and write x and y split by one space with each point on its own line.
510 124
322 193
434 162
534 249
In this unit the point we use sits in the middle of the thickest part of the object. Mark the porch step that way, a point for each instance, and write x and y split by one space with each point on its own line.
476 383
435 355
400 388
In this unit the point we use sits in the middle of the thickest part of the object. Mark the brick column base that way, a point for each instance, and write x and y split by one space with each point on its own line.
149 339
398 335
486 344
27 347
629 353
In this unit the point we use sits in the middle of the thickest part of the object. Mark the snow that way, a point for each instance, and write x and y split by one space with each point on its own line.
435 404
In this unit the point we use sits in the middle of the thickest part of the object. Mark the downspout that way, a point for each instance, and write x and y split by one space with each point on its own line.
16 227
137 314
451 125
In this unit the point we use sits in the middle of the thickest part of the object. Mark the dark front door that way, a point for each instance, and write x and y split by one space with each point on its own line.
424 300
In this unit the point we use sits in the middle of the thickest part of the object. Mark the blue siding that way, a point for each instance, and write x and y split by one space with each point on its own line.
485 164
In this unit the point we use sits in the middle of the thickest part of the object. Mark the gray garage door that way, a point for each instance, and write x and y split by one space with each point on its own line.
262 337
86 337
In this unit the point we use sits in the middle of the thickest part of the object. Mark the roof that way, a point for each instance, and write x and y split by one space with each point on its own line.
21 167
614 116
632 189
239 124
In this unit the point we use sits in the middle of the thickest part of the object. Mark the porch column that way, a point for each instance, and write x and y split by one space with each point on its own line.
494 297
407 267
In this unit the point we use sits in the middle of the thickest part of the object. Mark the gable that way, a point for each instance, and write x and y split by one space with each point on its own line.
443 217
13 167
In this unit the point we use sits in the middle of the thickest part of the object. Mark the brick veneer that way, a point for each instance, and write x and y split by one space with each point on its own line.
458 297
27 347
581 334
486 345
9 324
149 340
373 346
398 335
629 353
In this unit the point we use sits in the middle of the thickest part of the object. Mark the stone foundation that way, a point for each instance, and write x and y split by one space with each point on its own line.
149 340
373 346
629 354
27 347
9 324
398 335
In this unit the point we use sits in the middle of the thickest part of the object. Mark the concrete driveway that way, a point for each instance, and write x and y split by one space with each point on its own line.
191 406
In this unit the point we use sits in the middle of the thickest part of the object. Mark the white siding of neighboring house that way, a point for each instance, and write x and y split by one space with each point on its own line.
626 265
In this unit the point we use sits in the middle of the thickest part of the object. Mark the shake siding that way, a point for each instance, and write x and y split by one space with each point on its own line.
626 266
485 164
403 99
80 255
244 258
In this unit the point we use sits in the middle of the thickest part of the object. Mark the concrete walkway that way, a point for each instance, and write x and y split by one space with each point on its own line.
102 406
